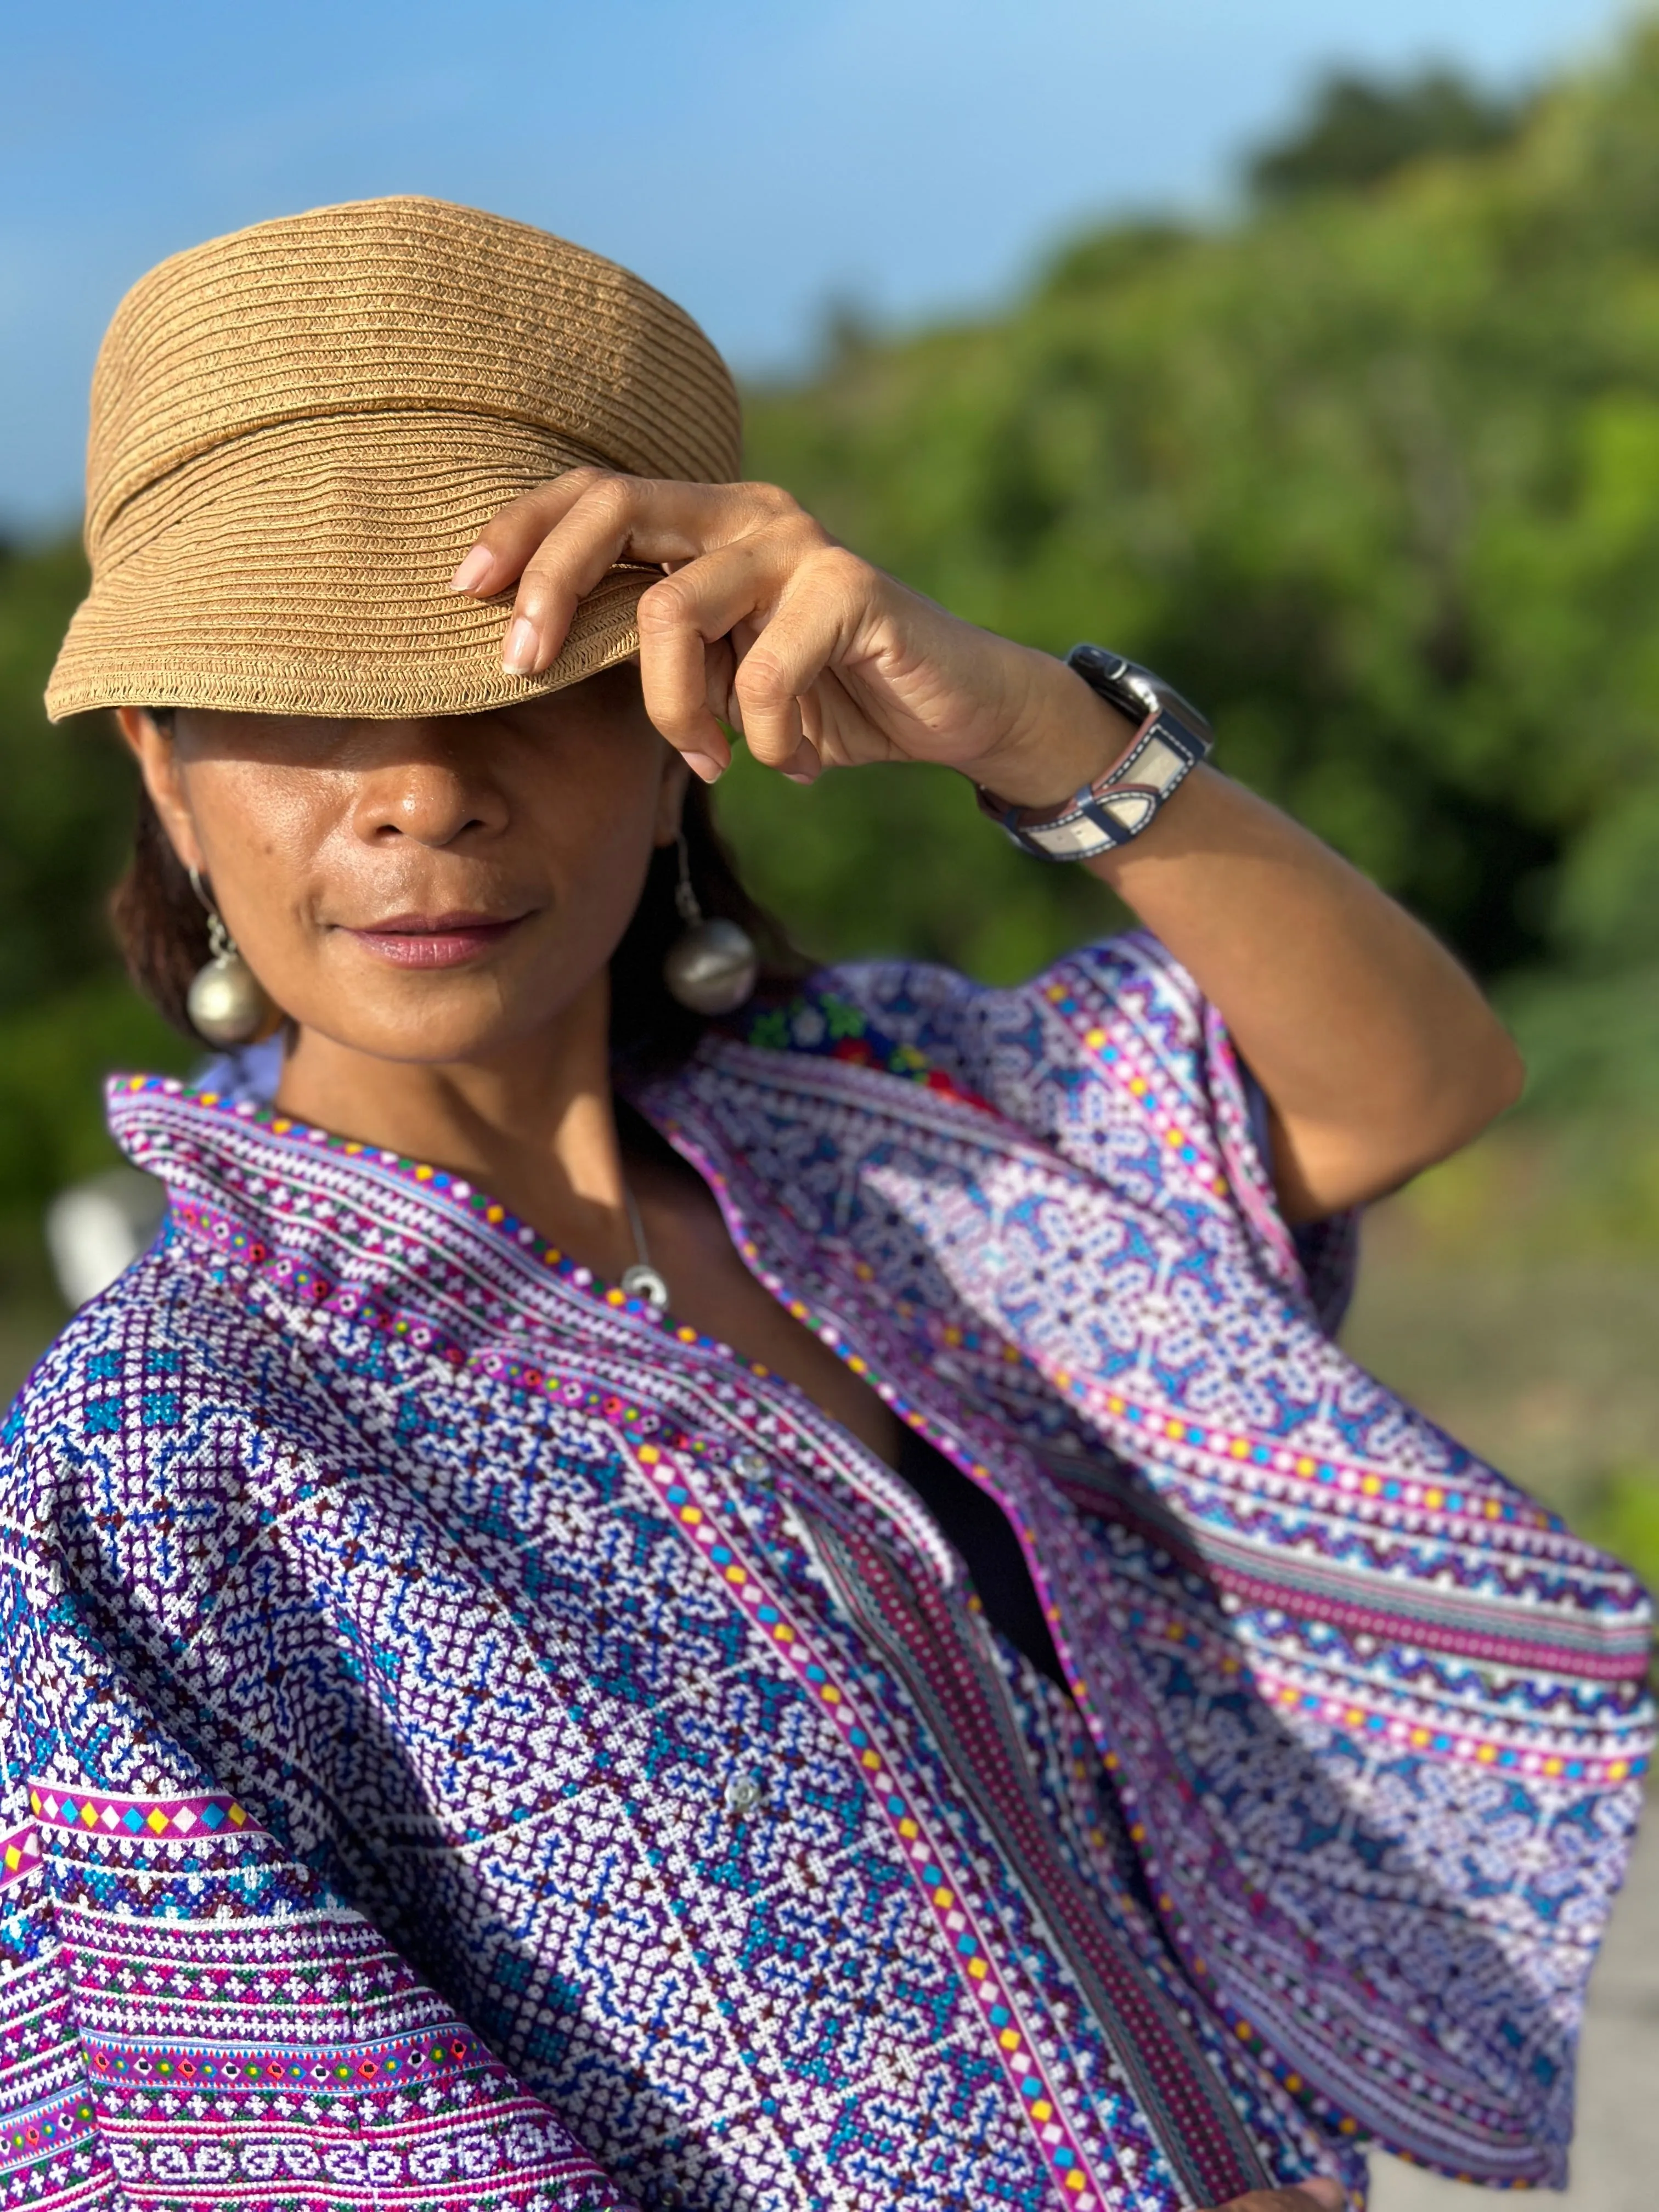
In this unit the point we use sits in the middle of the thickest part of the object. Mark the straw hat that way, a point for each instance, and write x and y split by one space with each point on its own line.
298 430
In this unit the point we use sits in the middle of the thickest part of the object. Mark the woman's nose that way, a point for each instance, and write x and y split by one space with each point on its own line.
419 781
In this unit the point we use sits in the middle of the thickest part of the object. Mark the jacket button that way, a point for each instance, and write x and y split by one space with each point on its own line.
742 1793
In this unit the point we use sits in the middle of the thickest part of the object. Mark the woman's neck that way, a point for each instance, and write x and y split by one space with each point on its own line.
534 1124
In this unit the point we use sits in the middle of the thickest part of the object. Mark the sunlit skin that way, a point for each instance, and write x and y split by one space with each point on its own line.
433 904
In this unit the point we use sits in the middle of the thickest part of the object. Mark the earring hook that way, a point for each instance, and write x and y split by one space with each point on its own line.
685 898
220 943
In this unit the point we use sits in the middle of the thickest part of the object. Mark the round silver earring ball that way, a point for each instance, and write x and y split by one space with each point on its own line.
226 1003
712 967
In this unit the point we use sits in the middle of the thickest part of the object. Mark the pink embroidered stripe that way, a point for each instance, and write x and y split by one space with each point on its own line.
142 1819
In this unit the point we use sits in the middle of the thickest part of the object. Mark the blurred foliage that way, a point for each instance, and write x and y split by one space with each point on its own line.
1621 1514
67 1015
53 1057
1580 1186
1358 132
66 813
901 859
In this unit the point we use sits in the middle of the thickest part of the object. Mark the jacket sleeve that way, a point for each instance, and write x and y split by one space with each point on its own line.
1376 1718
189 2014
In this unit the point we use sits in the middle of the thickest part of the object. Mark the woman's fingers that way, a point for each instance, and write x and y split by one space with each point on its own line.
558 540
826 601
605 522
728 596
757 601
509 538
679 693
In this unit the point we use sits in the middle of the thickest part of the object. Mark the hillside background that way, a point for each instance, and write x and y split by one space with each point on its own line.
1372 469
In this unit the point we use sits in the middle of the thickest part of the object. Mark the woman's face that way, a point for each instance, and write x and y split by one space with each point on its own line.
436 890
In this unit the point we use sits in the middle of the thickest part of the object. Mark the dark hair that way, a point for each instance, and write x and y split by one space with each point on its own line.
161 928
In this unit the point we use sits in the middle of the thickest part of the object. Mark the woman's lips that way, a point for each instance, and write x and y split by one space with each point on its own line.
440 940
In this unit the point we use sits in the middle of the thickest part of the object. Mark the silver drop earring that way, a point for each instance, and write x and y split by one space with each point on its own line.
711 966
226 1003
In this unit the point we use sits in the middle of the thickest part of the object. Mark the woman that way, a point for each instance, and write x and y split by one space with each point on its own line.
789 1610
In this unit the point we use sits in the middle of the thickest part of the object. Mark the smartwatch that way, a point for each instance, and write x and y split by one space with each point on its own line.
1171 737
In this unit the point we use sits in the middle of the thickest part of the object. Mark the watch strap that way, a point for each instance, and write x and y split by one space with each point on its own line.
1124 799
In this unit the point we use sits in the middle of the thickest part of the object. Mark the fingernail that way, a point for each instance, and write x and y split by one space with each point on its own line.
518 654
794 775
473 570
704 765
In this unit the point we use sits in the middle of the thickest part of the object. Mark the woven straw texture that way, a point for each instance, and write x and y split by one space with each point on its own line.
298 430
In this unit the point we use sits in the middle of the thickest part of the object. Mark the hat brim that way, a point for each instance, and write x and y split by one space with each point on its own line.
304 570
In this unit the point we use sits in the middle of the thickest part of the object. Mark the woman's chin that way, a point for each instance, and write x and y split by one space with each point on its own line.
437 1017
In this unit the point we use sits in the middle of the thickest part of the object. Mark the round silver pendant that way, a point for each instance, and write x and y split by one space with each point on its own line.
642 1281
226 1003
712 967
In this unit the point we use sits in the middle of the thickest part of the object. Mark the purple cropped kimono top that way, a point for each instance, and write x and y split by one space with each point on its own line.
473 1743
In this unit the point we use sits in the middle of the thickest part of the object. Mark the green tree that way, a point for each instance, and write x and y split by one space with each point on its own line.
1357 131
1373 474
67 805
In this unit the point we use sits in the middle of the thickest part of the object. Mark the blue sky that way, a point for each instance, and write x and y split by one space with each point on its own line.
754 160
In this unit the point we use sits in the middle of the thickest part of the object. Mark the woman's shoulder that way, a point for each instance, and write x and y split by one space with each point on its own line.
926 1021
130 1377
922 995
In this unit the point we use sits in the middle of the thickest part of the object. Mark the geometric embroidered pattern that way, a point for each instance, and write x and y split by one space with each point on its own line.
485 1742
20 1854
43 2131
339 2069
1015 2047
137 1817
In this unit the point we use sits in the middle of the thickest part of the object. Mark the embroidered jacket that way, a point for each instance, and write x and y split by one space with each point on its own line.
474 1743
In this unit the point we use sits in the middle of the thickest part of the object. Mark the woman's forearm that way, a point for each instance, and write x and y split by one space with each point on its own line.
1376 1051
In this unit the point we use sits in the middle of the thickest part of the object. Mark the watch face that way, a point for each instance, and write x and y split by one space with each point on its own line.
1155 693
1134 689
1138 690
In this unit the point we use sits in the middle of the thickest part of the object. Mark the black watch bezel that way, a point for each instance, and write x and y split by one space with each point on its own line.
1133 690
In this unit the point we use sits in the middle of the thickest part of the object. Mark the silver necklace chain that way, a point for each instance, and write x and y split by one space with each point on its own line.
641 1280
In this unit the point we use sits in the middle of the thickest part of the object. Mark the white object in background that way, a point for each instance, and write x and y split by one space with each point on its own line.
95 1229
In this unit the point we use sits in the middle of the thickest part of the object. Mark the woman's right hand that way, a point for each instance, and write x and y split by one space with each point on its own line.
818 659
